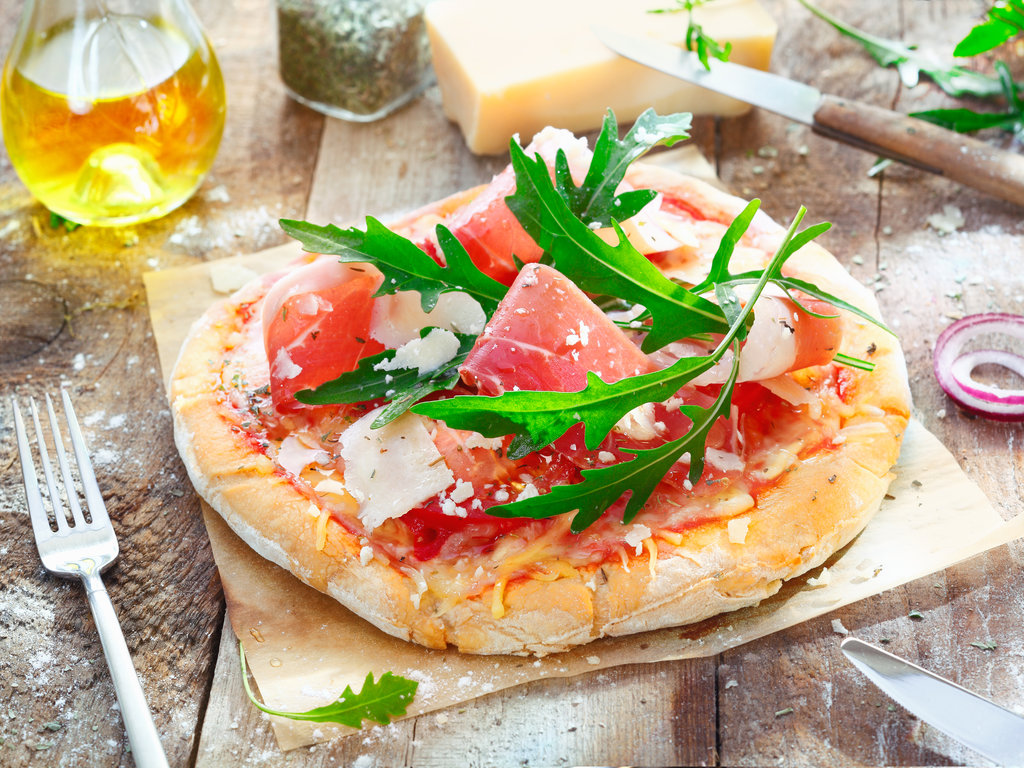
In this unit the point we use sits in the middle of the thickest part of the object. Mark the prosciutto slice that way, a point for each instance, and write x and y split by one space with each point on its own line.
546 335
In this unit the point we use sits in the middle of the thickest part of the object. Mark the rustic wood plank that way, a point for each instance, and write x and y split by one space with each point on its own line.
75 317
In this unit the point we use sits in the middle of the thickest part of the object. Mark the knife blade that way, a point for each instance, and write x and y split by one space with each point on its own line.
923 145
984 726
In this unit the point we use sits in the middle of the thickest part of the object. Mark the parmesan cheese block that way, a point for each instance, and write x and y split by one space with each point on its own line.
514 67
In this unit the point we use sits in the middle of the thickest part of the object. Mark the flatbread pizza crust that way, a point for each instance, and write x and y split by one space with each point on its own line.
813 511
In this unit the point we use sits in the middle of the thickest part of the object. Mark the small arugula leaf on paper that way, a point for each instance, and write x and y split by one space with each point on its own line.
600 488
620 270
953 79
404 265
401 386
595 201
1004 20
377 701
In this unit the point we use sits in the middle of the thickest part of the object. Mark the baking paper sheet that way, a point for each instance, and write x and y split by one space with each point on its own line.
303 648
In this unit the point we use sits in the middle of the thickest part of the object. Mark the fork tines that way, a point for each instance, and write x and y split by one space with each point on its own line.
41 522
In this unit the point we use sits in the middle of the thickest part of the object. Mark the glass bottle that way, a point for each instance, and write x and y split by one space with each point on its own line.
112 110
357 60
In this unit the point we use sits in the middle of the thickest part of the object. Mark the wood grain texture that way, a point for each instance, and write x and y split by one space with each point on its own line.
74 316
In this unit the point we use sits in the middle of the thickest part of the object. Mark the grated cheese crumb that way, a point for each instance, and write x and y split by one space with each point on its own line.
365 555
823 579
637 534
738 529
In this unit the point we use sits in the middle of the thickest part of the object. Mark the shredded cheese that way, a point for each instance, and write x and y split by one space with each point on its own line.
321 530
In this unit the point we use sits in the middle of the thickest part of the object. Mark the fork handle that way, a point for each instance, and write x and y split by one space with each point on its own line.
142 734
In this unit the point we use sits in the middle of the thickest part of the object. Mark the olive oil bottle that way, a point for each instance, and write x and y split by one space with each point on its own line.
112 112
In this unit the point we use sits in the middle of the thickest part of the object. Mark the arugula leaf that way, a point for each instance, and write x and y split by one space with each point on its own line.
546 416
377 701
402 386
595 201
953 79
603 486
405 266
580 254
1005 19
966 120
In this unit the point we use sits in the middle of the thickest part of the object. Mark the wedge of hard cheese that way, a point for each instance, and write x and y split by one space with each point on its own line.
508 67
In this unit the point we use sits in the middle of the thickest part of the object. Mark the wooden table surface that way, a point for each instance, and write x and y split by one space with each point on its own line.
73 314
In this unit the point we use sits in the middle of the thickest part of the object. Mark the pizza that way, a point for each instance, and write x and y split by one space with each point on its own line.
587 399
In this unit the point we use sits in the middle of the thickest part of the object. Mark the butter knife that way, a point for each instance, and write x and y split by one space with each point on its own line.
923 145
987 728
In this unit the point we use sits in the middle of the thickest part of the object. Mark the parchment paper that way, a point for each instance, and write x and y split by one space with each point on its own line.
304 648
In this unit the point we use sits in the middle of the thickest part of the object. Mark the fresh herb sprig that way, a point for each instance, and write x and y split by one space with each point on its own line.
1004 21
596 201
405 266
696 38
377 701
955 80
602 487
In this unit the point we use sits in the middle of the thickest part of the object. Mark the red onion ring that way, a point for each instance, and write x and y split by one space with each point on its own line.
954 368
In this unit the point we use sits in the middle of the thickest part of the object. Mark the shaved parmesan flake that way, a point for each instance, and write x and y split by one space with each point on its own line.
528 492
476 440
723 460
284 367
398 318
738 529
228 276
392 469
636 535
330 486
426 354
365 555
639 423
838 628
293 456
463 491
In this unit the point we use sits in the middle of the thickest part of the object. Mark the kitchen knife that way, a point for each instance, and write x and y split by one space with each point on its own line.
993 731
884 132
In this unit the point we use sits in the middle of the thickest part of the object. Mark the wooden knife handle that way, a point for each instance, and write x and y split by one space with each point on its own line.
924 145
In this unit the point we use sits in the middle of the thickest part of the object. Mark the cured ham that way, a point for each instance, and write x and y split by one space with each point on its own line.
316 326
546 335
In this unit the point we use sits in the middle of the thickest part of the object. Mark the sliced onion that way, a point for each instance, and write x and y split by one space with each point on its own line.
954 368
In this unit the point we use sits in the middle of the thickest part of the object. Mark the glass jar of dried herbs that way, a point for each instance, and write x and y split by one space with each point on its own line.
354 59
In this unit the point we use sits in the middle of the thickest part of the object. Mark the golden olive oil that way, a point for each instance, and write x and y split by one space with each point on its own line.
112 121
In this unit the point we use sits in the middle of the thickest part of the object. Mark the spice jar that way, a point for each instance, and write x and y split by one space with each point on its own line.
353 59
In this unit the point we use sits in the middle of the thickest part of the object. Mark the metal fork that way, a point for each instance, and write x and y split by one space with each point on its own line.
83 550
